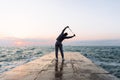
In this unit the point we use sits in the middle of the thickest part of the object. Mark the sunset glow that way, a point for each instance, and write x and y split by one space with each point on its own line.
20 43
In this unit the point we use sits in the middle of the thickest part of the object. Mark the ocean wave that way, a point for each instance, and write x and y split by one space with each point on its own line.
104 56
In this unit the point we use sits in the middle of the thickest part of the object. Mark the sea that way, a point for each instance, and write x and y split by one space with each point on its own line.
108 57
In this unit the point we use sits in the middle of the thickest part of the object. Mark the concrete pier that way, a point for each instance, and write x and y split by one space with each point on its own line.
75 67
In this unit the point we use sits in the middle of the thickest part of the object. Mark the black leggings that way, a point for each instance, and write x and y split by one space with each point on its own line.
59 45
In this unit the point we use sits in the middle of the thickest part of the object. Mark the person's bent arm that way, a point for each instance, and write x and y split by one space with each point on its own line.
70 36
64 29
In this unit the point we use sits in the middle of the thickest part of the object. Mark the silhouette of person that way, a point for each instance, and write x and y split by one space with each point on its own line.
59 70
58 44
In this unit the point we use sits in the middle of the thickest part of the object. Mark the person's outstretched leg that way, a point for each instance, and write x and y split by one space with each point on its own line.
56 52
61 51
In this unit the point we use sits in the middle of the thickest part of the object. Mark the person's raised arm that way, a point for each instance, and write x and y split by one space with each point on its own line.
64 29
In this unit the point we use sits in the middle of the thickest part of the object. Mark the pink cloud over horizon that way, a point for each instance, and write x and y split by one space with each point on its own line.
11 41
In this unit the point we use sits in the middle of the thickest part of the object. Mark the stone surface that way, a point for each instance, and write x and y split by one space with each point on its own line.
75 67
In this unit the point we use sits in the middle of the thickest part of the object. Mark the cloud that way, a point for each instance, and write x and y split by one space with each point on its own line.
95 43
11 41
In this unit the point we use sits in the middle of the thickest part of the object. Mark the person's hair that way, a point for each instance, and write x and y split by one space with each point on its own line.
65 34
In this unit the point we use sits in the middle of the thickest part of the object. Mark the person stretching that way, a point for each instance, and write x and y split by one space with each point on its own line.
58 44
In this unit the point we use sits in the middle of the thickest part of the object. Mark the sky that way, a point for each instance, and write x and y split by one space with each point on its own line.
28 21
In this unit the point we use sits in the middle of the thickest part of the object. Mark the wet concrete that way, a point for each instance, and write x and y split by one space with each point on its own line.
75 67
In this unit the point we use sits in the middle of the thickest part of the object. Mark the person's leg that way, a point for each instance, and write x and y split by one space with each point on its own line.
61 51
56 51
